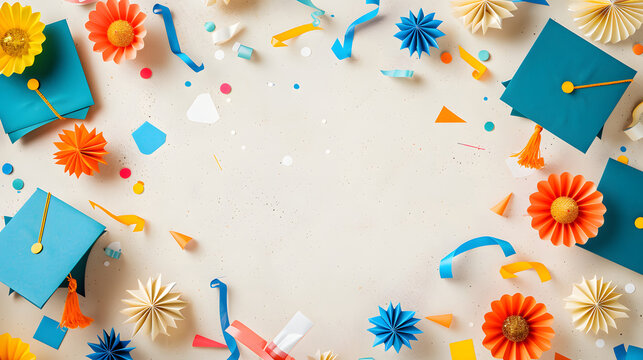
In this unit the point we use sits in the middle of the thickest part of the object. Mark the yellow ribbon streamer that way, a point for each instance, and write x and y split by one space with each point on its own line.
138 221
477 65
34 84
278 40
509 271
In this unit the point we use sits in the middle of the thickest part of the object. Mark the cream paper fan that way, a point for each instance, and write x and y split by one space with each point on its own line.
607 20
476 14
212 2
153 308
594 305
328 355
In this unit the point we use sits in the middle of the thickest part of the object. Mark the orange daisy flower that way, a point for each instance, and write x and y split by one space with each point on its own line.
117 30
80 151
517 328
566 210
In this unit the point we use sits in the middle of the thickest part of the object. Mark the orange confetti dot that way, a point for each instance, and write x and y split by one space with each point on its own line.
446 57
637 49
623 159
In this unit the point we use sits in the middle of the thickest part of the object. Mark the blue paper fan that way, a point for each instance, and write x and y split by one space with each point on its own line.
419 33
110 347
394 327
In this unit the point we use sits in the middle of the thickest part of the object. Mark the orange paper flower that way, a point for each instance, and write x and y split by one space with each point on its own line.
80 151
117 30
566 210
517 328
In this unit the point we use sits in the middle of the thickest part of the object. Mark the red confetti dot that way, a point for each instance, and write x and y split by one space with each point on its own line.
146 73
125 173
225 88
637 49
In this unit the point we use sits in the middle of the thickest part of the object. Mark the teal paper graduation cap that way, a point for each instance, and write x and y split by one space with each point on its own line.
618 239
558 56
67 238
62 83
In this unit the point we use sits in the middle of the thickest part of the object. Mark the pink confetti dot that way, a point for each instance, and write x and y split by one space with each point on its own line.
125 173
146 73
225 88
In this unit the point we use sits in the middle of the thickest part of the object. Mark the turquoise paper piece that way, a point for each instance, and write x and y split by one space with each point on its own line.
315 14
50 333
559 55
62 82
68 237
148 138
618 239
446 264
398 73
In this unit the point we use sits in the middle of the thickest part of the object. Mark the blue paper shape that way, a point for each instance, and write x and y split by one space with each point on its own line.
67 238
537 2
632 352
559 55
230 342
62 82
345 51
111 347
447 262
618 239
7 219
164 11
50 333
419 34
394 327
148 138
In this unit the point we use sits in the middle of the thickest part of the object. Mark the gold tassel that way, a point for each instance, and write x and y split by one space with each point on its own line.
529 156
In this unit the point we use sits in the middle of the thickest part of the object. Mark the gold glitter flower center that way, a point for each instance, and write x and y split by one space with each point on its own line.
120 33
564 210
515 328
15 42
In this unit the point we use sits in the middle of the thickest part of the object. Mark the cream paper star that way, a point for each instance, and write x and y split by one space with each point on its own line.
153 308
485 14
594 305
607 20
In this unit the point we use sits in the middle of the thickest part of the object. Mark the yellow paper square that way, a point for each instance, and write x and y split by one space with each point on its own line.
462 350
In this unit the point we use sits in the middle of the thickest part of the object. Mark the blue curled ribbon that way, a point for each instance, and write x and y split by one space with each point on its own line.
316 14
447 262
397 73
172 38
345 51
223 315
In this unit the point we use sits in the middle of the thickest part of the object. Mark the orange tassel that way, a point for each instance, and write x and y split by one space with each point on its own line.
72 317
529 157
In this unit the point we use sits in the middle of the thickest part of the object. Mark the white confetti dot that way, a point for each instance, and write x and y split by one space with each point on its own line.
243 147
600 343
270 84
470 324
327 151
286 161
236 46
232 132
630 288
305 51
324 121
106 263
228 100
219 54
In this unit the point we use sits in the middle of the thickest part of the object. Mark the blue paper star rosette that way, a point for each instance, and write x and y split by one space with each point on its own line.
111 347
419 34
394 327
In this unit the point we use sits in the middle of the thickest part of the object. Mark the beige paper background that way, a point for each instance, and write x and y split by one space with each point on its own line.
334 235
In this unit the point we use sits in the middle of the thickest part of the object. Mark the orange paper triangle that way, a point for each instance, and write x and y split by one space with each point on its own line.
447 116
444 320
500 207
181 239
560 357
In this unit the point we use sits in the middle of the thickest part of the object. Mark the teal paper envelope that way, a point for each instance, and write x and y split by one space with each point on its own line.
62 82
68 237
559 55
618 239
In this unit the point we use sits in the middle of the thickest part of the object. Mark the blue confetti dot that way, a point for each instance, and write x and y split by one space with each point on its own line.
18 184
188 84
483 55
296 86
332 15
209 26
489 126
486 98
623 149
7 169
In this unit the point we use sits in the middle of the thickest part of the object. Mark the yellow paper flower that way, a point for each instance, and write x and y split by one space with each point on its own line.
14 349
21 38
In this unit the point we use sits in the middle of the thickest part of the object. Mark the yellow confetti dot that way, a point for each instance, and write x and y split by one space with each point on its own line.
639 222
138 188
623 159
568 87
33 84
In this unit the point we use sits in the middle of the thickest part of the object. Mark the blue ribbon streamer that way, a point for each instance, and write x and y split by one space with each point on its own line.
316 14
172 38
447 262
223 315
397 73
345 51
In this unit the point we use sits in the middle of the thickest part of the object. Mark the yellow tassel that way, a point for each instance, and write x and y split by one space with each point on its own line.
529 157
72 317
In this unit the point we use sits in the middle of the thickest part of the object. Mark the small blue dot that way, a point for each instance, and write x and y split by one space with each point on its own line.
623 149
209 26
332 15
486 98
296 86
18 184
188 84
489 126
7 169
483 55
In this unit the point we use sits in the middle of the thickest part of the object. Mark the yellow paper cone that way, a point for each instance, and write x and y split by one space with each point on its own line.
181 239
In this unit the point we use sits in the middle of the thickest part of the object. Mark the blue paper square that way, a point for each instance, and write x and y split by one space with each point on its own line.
148 138
50 333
